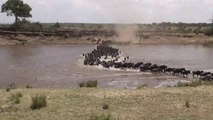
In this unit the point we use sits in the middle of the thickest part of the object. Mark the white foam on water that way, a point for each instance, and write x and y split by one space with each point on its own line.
100 67
120 58
170 83
208 70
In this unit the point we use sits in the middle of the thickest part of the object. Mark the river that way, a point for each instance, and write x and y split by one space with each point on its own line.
59 66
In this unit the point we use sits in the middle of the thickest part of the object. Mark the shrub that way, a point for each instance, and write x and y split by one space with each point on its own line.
15 98
38 102
24 25
105 106
101 117
57 25
81 84
28 86
7 89
187 104
208 32
91 83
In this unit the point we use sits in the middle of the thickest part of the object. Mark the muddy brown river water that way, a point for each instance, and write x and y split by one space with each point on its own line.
57 66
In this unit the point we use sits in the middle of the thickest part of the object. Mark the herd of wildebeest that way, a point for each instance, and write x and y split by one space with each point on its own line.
100 56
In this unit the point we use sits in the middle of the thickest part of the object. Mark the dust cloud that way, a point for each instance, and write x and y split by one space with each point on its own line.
126 33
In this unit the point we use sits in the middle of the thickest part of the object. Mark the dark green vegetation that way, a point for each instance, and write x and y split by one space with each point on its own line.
105 106
90 83
38 102
169 28
28 86
25 25
16 8
187 104
194 83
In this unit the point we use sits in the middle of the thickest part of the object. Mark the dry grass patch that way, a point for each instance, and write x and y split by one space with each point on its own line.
15 98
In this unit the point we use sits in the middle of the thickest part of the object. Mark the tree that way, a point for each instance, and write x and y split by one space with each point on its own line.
212 25
209 32
16 8
57 25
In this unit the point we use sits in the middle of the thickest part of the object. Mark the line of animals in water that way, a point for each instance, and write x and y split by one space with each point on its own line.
94 58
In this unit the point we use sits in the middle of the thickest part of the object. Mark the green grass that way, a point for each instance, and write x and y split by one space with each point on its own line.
139 104
194 83
91 83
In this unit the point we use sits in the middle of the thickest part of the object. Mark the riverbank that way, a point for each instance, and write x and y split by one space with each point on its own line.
80 104
94 37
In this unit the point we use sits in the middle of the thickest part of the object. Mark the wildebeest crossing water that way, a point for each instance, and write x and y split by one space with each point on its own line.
109 57
58 66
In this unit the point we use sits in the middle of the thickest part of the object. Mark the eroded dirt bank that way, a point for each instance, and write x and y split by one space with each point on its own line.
98 36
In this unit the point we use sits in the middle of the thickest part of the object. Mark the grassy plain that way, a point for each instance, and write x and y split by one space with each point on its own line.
181 103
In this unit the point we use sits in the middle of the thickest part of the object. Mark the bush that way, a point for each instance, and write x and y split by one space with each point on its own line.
7 89
15 98
208 32
81 84
105 106
24 25
57 25
38 102
90 83
28 86
187 104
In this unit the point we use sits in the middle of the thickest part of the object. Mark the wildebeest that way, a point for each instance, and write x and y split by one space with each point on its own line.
145 67
137 65
169 70
101 55
196 73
